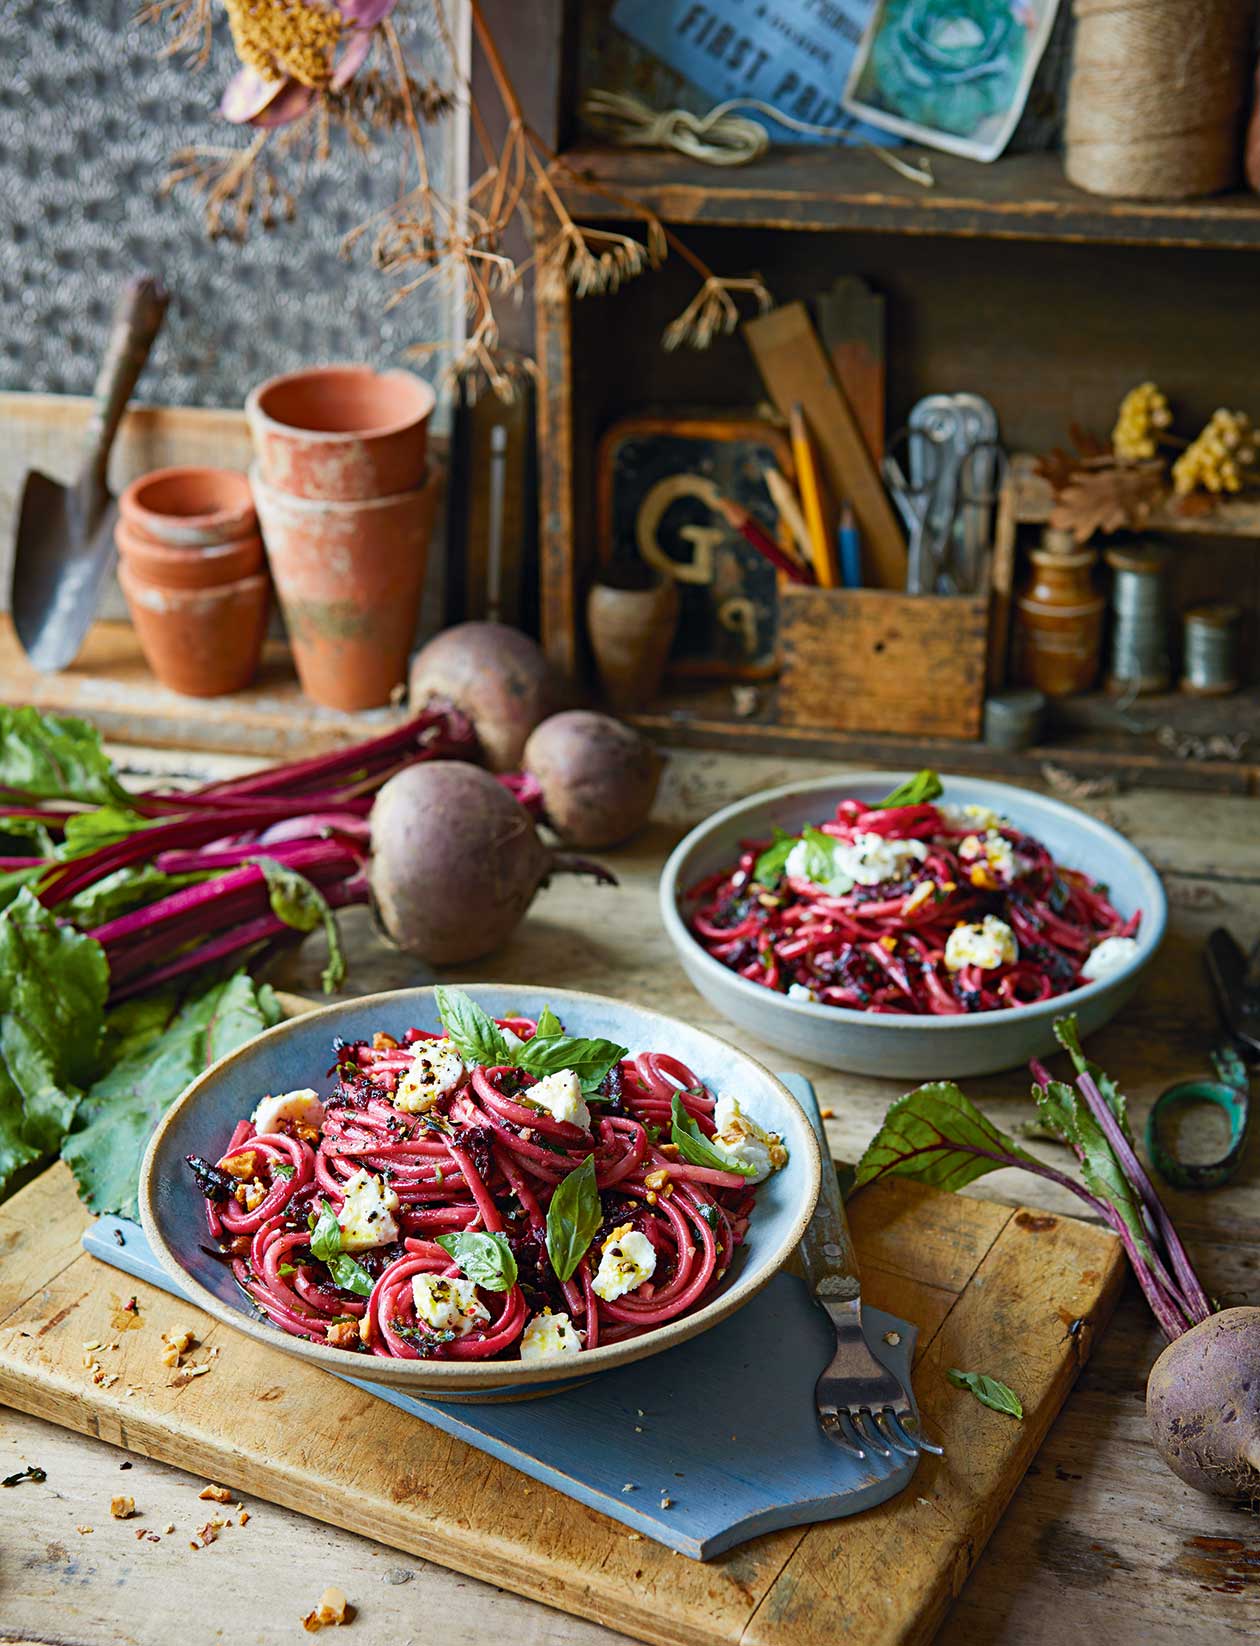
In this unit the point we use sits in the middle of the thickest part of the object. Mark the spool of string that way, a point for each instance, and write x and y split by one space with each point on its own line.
1139 635
1156 97
1211 650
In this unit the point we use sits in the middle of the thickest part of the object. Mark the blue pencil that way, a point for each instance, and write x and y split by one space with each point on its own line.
850 544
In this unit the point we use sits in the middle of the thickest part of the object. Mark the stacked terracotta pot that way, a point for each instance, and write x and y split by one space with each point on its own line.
346 496
191 567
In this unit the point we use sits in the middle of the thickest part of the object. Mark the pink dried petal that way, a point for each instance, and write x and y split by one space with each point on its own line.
247 94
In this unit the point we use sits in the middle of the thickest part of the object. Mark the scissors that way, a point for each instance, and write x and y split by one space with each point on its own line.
1235 979
946 504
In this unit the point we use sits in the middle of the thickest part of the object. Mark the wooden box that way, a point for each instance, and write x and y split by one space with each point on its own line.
869 660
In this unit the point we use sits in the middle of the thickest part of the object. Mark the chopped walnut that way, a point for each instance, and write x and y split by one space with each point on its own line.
83 1530
122 1508
206 1534
242 1166
243 1518
333 1608
382 1042
657 1179
251 1195
343 1334
186 1374
175 1345
778 1155
215 1494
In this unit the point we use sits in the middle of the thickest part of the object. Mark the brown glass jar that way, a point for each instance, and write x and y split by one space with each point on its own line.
1059 623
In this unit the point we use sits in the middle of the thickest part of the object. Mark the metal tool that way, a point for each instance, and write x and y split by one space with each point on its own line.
1235 979
860 1403
64 549
946 497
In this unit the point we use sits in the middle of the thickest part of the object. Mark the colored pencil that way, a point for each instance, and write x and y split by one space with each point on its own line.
789 507
809 482
850 549
753 532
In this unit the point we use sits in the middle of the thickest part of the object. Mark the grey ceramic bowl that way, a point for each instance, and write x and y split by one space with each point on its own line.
910 1047
297 1053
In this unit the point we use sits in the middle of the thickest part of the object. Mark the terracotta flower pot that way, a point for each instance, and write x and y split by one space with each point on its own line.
188 568
631 630
349 577
188 508
341 433
201 642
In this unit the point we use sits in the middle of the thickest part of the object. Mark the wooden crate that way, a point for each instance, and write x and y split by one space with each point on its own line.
871 660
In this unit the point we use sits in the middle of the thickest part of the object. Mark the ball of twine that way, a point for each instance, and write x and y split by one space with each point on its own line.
1156 97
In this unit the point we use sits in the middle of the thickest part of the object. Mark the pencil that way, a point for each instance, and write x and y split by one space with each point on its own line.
786 502
753 532
822 547
850 549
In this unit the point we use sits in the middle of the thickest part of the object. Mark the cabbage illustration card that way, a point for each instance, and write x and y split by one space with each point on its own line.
953 74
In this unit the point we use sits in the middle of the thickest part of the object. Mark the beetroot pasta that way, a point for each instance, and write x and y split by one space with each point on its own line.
498 1189
908 906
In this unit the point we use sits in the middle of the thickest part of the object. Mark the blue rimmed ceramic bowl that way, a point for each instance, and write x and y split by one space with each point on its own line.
298 1053
910 1047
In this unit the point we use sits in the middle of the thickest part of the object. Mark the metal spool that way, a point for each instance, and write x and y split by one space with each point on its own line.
1211 650
1139 637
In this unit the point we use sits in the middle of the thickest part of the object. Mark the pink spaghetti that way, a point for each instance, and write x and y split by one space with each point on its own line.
485 1159
911 909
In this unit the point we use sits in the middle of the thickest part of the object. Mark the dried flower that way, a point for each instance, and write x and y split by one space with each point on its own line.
714 311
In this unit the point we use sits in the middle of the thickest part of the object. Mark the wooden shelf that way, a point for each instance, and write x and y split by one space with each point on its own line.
1232 516
1020 197
1088 737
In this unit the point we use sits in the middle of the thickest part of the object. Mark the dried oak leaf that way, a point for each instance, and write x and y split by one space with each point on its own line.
1195 504
1111 499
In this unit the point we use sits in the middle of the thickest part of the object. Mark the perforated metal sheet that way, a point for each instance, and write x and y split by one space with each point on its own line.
88 119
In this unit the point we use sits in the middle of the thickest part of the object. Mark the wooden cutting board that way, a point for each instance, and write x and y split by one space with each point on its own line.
993 1289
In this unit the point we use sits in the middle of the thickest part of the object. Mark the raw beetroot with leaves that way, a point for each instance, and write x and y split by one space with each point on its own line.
124 918
1203 1395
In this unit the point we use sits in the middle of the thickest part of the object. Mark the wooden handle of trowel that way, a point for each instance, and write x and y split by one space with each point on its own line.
137 321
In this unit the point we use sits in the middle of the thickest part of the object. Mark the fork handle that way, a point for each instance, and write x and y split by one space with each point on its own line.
827 1254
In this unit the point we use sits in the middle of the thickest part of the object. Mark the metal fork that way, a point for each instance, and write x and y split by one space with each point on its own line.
860 1403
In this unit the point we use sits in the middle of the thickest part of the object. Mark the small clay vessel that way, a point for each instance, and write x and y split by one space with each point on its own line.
1059 623
189 508
341 433
349 577
204 567
631 618
201 642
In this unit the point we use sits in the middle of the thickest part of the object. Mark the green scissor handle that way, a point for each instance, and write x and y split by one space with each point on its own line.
1230 1093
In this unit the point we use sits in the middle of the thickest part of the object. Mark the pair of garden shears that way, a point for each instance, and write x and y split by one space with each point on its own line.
1235 979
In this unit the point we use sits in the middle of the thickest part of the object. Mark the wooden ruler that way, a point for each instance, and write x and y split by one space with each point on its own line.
796 370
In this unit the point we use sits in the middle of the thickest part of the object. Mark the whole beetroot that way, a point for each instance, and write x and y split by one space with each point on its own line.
498 676
597 777
456 862
1203 1404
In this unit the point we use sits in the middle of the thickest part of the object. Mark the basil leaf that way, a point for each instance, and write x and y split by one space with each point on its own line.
919 790
326 1235
349 1274
473 1033
286 1172
989 1392
485 1258
695 1148
589 1059
548 1024
300 904
287 1269
573 1218
768 869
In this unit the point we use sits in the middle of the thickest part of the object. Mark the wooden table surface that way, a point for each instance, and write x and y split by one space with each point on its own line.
1100 1540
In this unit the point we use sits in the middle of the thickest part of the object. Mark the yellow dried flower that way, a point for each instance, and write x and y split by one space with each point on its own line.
1218 458
282 38
1143 414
